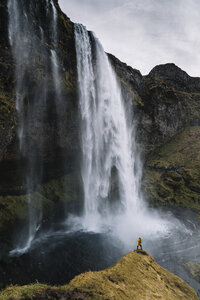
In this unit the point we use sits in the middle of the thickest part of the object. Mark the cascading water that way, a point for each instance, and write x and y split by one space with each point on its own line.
105 135
111 171
54 58
108 149
27 40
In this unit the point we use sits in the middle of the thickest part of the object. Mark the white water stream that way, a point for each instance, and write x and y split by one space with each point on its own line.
111 168
27 40
108 143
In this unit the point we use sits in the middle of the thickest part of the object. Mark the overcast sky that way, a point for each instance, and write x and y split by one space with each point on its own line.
143 33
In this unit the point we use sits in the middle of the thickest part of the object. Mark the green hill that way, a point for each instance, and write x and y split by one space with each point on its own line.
134 276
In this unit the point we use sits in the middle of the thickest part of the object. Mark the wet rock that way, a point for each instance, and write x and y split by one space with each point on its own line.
166 109
162 104
48 144
193 268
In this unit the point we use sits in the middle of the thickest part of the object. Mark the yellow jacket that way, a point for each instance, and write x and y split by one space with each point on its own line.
139 241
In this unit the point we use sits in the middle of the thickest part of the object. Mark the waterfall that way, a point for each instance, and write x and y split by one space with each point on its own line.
54 58
27 39
106 135
110 165
111 168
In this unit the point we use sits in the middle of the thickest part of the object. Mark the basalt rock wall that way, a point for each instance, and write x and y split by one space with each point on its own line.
52 142
165 101
165 106
11 160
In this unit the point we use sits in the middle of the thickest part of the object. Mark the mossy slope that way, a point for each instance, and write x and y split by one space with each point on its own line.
135 276
172 173
53 196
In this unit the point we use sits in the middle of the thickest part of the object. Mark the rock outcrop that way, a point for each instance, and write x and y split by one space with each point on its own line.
166 106
165 101
135 276
193 268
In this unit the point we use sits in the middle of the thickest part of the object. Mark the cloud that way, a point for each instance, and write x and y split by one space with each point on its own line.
143 33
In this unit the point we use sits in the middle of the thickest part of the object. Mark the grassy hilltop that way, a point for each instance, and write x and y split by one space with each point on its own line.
134 276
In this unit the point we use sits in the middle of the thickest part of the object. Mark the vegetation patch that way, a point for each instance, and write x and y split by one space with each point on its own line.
50 196
135 276
172 173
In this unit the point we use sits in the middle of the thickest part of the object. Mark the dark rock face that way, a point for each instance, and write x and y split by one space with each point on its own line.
47 139
171 102
34 79
166 106
176 78
165 101
7 107
163 104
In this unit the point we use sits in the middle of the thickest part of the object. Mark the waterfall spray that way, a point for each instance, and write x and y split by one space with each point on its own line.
109 169
27 41
108 147
54 58
105 135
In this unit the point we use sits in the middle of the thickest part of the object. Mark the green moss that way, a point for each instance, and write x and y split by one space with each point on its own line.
11 209
6 105
64 189
17 292
135 275
49 197
70 81
172 176
137 100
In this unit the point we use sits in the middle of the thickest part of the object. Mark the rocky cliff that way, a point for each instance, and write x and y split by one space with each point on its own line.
46 146
165 105
135 276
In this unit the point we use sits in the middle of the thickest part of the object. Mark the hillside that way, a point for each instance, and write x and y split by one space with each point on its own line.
135 276
172 171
